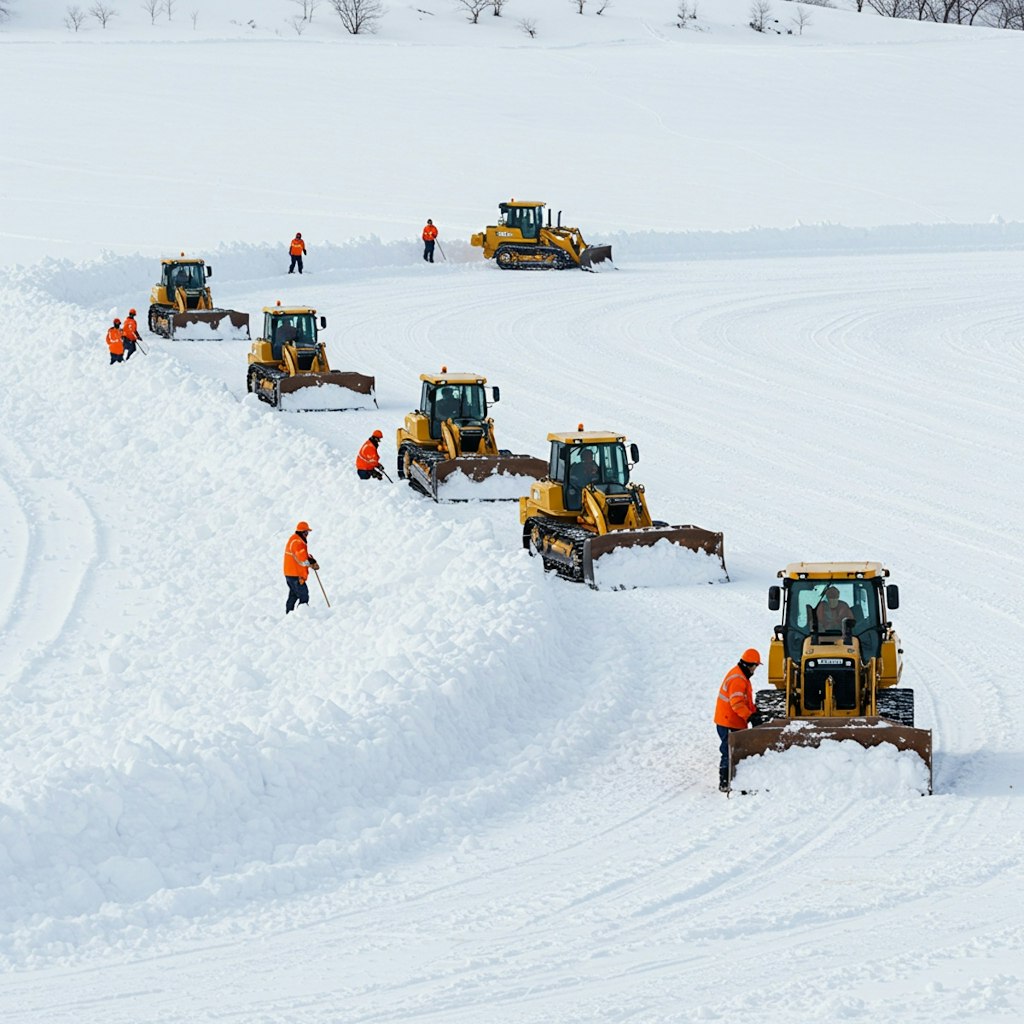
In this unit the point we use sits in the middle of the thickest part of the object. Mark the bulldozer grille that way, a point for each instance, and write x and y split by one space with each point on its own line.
844 688
470 440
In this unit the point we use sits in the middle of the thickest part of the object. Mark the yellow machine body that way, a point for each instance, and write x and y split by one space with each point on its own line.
834 664
450 431
586 506
522 241
181 304
289 357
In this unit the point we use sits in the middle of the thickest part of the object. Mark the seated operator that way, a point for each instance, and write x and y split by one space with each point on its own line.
831 612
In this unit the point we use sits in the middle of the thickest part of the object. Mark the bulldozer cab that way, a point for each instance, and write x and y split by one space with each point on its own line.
831 608
463 402
526 218
600 463
292 328
189 277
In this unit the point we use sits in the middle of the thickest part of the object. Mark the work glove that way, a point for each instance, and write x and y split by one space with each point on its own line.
757 718
314 564
377 474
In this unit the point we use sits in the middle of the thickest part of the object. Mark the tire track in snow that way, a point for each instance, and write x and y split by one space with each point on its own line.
61 550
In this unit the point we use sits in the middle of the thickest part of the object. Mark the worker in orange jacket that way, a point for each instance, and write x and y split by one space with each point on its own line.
735 708
130 331
368 459
115 342
296 250
297 563
429 238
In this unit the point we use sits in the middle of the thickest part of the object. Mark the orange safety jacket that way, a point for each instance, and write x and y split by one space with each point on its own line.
297 248
429 233
368 458
735 702
115 341
296 558
130 329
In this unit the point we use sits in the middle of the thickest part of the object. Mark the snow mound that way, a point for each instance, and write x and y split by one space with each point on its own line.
497 487
661 565
323 398
842 768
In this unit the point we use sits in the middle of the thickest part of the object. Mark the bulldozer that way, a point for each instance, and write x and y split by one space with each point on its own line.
290 360
522 241
834 664
450 432
181 306
586 507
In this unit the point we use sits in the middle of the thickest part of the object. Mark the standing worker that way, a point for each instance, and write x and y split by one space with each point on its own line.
296 250
735 708
297 563
368 459
115 342
429 238
131 334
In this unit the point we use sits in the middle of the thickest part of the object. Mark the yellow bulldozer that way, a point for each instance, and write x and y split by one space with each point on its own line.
834 665
450 433
522 241
586 508
181 306
288 366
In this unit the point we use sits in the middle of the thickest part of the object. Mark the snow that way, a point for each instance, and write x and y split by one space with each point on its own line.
467 789
324 397
834 771
497 487
660 565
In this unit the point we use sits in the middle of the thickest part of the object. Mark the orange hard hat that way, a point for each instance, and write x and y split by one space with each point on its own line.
751 657
131 312
303 527
376 433
117 323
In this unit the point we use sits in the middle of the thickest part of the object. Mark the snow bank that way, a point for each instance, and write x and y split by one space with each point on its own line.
841 768
174 744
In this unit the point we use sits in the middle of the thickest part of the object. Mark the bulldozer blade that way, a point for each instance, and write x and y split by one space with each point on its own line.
344 389
479 468
207 324
693 538
595 254
784 733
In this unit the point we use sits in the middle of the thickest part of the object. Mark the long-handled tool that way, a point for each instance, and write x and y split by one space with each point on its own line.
381 469
322 591
138 344
440 250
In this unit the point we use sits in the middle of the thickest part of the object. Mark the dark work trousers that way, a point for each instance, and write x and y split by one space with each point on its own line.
298 593
365 474
428 250
296 262
114 358
723 734
129 348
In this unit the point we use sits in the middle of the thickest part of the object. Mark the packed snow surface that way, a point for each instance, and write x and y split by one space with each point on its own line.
467 790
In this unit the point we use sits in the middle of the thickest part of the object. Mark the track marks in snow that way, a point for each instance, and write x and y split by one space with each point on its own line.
55 546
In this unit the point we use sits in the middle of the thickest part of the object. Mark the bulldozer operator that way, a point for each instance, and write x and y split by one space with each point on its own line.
831 612
448 404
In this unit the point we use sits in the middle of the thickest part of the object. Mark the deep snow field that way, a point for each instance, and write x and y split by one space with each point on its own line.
466 791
